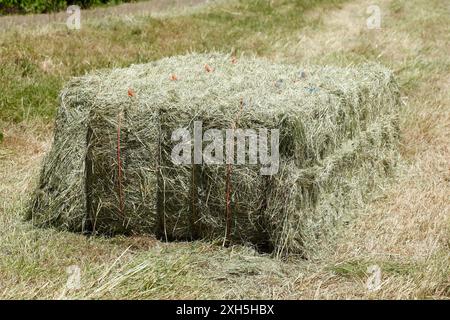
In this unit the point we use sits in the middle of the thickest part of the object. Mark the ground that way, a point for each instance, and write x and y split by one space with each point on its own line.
405 231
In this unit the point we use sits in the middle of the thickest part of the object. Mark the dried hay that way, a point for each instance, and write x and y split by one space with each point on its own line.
110 171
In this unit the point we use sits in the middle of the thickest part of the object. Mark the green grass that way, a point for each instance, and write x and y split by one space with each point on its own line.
39 6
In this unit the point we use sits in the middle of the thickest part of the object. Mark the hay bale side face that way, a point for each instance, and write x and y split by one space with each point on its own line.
338 134
121 167
60 198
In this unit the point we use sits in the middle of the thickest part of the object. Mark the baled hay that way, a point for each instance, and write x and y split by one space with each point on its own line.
110 169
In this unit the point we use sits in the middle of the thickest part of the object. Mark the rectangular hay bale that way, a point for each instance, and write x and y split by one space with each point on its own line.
110 168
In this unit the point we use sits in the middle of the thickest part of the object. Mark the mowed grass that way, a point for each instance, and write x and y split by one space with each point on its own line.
405 231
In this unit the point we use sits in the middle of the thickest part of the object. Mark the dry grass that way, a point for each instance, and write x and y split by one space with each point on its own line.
405 231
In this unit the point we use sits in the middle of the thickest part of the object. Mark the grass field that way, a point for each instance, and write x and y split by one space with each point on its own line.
405 230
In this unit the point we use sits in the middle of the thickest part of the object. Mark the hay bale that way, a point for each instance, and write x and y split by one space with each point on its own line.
110 168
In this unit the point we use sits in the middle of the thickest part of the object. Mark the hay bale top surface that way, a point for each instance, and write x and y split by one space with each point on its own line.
218 82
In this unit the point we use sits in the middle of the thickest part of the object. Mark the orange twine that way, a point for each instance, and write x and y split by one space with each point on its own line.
119 163
208 68
228 212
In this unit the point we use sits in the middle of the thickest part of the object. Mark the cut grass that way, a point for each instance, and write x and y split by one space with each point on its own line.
359 268
406 231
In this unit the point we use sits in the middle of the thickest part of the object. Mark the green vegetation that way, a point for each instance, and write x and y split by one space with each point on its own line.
39 6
